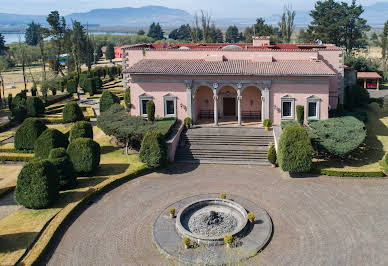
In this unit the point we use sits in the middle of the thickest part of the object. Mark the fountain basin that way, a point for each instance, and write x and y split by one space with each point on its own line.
207 221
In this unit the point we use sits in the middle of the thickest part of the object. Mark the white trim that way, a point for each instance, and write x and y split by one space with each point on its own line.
169 97
287 98
317 101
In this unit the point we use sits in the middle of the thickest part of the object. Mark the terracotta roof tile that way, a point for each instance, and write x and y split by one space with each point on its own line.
368 75
231 67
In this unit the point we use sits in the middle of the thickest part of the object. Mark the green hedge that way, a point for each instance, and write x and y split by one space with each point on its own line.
51 138
294 150
341 173
57 98
271 155
153 151
35 107
72 113
60 159
90 86
81 129
286 123
28 133
107 100
37 185
71 86
84 154
17 157
300 114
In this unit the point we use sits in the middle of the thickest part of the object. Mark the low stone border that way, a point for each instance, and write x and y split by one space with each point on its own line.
35 253
253 240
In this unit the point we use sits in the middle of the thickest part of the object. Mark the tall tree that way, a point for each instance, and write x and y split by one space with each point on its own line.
205 22
110 52
3 48
195 31
78 40
181 34
262 29
384 41
57 32
286 24
155 31
232 35
215 35
32 34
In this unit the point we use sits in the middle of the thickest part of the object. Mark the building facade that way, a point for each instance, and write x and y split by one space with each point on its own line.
236 82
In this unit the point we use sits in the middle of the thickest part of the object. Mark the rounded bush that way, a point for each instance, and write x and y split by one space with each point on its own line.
188 122
37 185
81 129
295 151
27 133
84 154
107 100
153 150
35 106
50 139
72 113
66 174
271 156
18 107
150 108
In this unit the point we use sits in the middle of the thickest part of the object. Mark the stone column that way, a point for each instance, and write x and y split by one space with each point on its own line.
239 97
215 98
189 93
265 104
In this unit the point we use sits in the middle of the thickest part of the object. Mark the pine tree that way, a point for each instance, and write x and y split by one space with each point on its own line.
3 48
155 31
110 52
232 35
384 41
32 34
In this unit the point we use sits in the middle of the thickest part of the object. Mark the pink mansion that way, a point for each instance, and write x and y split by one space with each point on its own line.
237 82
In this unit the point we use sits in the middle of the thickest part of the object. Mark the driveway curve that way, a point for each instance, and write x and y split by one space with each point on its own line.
317 221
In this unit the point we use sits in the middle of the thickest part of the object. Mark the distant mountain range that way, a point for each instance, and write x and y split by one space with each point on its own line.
376 14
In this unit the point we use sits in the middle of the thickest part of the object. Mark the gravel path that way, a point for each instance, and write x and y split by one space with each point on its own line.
317 221
7 205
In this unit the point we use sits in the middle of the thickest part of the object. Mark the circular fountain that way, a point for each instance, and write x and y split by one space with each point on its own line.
207 221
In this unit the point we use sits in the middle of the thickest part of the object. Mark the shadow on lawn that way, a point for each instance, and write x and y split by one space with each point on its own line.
17 241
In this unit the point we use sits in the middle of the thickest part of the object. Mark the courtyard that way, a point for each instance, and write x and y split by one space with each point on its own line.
318 220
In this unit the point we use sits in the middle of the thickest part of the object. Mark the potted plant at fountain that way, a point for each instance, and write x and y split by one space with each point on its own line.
172 212
267 123
222 195
186 242
271 156
228 240
251 217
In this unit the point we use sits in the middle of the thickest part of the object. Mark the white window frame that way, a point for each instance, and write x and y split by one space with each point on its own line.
288 98
141 99
317 101
170 97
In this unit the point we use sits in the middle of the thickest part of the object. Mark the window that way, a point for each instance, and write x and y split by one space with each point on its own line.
169 105
143 99
313 107
287 107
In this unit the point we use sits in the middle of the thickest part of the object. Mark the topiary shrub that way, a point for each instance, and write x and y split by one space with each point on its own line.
34 90
107 100
51 138
81 129
271 156
267 123
62 84
90 86
37 185
9 100
35 106
97 82
72 113
150 108
84 154
300 114
339 136
153 150
71 86
18 107
294 150
188 122
127 98
66 174
27 133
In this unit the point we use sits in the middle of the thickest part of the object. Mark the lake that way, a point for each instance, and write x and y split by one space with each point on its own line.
14 37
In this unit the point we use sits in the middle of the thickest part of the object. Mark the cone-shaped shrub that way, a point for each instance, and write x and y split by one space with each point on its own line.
150 108
81 129
27 133
37 185
35 106
60 159
50 139
72 113
71 86
107 100
84 154
272 154
295 151
153 151
300 114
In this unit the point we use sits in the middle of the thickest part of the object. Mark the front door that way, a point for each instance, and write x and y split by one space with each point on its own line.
229 107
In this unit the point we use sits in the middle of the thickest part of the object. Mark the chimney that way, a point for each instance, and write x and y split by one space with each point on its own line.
260 41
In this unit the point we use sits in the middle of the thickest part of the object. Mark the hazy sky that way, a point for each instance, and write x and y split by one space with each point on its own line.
218 8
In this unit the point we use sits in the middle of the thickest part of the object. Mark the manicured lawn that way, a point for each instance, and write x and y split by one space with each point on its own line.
367 157
19 229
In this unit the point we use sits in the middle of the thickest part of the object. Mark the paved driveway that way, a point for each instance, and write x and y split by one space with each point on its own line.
317 221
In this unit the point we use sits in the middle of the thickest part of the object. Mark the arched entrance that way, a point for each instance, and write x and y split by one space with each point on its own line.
227 103
203 104
251 104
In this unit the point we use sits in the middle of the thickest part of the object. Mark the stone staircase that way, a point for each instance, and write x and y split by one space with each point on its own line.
224 145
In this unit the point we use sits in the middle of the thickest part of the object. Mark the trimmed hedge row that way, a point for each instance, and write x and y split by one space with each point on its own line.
338 173
153 151
17 157
81 129
107 100
72 113
66 174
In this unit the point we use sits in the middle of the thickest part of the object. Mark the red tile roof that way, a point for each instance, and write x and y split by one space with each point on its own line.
368 75
231 67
